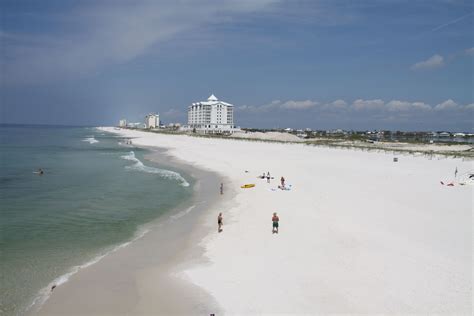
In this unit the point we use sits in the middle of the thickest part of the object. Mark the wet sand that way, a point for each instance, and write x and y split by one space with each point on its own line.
141 278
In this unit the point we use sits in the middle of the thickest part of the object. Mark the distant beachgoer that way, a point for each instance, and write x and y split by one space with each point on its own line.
282 180
219 222
456 172
222 188
40 171
53 287
268 177
275 220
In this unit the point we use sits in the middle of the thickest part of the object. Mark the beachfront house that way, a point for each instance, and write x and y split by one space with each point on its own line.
211 117
152 120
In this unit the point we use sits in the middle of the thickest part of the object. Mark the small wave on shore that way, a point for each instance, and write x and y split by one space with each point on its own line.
90 140
182 213
139 166
45 293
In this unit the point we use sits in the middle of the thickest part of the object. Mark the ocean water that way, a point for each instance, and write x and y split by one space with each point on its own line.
95 195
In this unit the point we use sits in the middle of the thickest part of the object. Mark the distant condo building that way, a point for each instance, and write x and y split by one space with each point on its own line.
123 123
152 121
211 117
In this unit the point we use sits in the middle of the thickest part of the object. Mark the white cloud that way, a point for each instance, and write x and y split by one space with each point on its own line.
338 104
244 107
261 108
433 62
470 51
279 105
469 106
421 106
446 105
298 105
98 34
396 106
360 104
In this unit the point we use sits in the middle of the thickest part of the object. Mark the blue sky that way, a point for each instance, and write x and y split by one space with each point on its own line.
322 64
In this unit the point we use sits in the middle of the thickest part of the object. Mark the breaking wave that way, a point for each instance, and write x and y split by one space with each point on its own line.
90 140
139 166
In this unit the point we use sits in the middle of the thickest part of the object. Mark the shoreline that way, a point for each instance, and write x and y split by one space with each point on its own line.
67 298
359 232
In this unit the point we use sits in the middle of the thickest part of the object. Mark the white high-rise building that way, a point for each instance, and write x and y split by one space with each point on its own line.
152 120
211 116
123 123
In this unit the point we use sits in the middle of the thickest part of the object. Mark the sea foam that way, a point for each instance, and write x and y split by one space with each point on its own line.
90 140
139 166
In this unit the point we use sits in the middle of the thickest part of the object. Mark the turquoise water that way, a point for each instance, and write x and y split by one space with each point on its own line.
95 195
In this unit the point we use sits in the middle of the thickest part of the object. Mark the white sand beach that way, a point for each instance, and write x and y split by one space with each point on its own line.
359 233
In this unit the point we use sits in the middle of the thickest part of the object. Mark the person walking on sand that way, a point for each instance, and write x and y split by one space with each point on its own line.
219 223
282 180
268 176
275 220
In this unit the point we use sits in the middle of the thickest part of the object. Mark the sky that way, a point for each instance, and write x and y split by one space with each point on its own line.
321 64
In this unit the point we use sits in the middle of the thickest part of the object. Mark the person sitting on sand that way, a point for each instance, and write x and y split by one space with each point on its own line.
219 223
275 220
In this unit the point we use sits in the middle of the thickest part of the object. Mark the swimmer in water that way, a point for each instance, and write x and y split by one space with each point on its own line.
40 171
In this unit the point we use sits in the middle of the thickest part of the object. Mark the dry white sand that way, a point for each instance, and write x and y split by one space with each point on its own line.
421 148
359 233
277 136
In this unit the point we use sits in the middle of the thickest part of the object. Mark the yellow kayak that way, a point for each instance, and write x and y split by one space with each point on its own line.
247 186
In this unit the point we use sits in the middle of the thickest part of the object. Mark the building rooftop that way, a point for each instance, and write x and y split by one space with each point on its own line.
212 100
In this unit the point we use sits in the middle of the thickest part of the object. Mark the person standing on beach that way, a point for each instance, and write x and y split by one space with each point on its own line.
275 220
222 188
219 223
282 180
268 176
